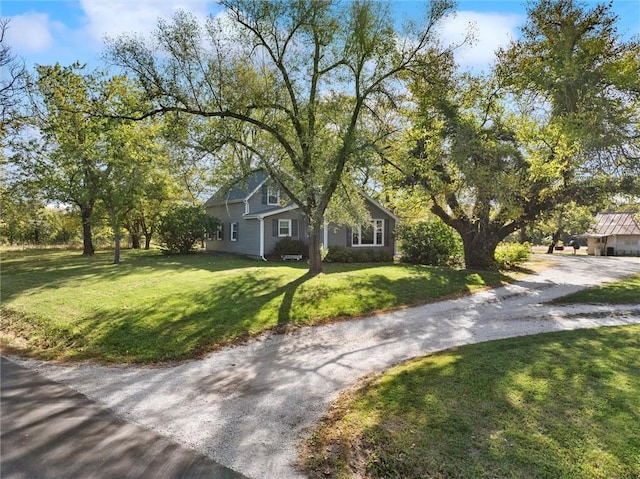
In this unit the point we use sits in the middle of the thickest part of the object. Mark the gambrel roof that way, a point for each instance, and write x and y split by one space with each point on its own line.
611 224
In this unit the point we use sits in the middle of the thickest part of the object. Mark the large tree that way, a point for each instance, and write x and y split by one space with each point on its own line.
292 83
582 77
132 157
466 153
557 118
63 154
80 155
128 177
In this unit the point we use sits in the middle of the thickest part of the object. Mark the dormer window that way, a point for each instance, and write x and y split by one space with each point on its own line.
273 195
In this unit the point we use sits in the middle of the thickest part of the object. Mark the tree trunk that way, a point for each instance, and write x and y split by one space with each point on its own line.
87 238
480 249
116 251
554 241
315 256
133 226
116 237
147 232
135 241
147 240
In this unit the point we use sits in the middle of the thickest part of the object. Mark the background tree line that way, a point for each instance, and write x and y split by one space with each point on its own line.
332 96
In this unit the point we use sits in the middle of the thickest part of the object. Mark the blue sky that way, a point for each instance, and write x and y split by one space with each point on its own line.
50 31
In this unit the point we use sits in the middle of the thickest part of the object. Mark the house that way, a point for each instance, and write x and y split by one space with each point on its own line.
615 234
255 215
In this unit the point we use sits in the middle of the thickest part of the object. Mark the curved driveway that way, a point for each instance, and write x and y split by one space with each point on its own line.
248 406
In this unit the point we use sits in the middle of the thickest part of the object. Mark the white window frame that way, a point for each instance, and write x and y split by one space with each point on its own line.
273 192
378 230
288 227
219 233
233 234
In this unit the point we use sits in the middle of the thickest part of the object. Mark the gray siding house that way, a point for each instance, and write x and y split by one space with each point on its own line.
255 215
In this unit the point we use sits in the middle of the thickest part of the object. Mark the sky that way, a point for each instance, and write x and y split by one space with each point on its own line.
65 31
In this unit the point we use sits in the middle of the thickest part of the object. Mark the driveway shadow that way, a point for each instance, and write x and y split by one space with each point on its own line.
51 431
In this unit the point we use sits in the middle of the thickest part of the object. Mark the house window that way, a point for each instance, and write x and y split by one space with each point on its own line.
371 234
234 232
273 196
219 233
284 228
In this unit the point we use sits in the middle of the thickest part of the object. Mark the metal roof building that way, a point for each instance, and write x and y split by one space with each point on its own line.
614 234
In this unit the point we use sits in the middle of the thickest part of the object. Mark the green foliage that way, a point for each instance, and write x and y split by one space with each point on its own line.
429 242
77 152
465 155
274 108
571 55
571 58
340 254
511 255
182 226
561 405
563 223
26 219
154 307
290 246
555 122
626 291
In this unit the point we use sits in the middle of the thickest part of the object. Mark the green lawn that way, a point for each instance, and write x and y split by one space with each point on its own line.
151 307
626 291
557 406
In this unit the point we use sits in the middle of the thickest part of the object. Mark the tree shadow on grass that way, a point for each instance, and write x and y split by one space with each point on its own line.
433 284
193 319
183 325
552 405
53 269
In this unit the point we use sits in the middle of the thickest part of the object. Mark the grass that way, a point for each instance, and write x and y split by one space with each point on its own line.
60 305
558 406
626 291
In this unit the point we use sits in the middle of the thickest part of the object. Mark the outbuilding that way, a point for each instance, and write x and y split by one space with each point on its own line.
614 234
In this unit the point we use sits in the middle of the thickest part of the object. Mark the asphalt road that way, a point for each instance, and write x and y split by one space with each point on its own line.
49 431
249 406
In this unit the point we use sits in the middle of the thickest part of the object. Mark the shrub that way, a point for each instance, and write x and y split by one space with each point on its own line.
290 246
182 226
429 242
510 255
339 254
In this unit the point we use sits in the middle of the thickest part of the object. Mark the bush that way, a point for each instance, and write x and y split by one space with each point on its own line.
182 226
510 255
290 246
429 242
339 254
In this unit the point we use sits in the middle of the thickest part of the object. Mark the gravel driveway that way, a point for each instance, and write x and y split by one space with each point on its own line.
248 406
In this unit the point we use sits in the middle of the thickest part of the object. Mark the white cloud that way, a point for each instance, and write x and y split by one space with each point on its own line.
490 31
29 33
112 18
